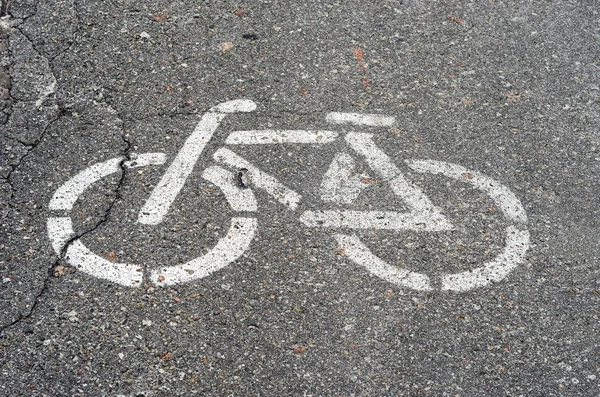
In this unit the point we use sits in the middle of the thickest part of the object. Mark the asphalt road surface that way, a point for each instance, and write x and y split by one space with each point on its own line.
289 198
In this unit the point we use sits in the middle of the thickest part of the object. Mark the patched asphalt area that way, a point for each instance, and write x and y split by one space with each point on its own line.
506 90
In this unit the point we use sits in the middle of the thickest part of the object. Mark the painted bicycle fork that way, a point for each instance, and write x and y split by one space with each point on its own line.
338 186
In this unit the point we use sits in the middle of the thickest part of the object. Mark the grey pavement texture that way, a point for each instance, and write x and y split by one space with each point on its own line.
507 88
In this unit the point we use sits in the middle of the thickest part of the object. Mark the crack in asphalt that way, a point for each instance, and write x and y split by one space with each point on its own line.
19 22
63 252
6 4
5 9
73 36
30 148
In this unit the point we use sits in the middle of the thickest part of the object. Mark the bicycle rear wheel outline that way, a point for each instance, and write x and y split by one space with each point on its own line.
227 250
513 254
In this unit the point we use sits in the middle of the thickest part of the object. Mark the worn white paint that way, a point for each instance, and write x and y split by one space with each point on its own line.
517 243
144 159
165 192
260 179
358 253
506 201
383 166
419 204
374 120
227 250
340 184
239 199
47 91
235 106
374 220
80 257
517 240
269 137
66 195
60 231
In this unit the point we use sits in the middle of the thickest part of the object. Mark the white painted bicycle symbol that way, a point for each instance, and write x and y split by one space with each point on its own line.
339 185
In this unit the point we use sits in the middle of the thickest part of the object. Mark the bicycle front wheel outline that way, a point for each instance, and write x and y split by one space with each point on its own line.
227 250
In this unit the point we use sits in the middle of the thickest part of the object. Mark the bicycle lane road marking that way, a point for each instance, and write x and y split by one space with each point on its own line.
422 216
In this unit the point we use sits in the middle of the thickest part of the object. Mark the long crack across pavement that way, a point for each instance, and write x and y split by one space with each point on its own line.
17 24
105 217
30 147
